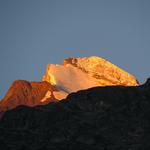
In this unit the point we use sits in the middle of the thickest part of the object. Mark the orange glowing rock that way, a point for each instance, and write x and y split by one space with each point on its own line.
27 93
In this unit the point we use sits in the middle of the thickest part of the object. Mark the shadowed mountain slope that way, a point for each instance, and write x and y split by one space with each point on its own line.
99 118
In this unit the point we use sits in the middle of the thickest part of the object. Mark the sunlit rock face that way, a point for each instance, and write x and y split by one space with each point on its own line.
27 93
104 71
82 73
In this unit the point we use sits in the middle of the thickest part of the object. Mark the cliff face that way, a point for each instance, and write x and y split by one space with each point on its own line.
60 80
100 118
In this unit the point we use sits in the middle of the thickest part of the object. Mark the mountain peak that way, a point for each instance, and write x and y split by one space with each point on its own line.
73 75
102 72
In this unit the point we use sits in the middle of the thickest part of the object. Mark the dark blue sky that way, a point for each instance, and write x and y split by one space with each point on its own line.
34 33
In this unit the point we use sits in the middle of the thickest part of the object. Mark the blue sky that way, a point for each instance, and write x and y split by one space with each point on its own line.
34 33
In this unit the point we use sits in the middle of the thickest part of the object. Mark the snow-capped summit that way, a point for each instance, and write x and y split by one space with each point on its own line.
73 75
81 73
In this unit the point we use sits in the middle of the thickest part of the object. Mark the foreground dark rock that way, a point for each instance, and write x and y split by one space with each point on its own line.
101 118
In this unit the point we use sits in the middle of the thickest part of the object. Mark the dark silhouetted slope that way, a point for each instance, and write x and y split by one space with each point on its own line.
100 118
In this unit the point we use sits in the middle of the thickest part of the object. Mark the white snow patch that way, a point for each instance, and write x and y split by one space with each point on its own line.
60 94
47 95
70 79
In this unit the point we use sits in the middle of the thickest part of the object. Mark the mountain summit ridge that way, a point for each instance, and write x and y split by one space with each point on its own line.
102 72
101 68
73 75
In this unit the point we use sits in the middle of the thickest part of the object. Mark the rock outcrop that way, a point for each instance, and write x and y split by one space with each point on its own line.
100 118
